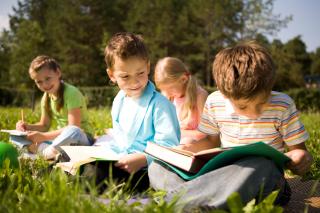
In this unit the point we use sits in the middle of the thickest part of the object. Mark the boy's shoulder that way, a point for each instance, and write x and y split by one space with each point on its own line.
280 98
216 97
161 99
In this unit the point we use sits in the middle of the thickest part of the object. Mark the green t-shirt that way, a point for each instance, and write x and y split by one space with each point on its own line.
73 98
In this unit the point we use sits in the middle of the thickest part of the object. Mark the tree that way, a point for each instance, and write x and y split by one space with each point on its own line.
293 63
315 66
26 45
4 57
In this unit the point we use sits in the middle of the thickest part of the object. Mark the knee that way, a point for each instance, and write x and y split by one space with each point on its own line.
72 129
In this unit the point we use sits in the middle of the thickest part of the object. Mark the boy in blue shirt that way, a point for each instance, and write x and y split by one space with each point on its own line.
139 113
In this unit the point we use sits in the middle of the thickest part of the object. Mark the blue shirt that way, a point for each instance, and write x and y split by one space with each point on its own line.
154 120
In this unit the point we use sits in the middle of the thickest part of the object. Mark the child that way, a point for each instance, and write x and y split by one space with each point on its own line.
61 102
176 82
243 111
139 113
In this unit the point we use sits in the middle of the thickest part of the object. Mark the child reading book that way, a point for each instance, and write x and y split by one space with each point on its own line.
139 113
244 110
61 102
175 81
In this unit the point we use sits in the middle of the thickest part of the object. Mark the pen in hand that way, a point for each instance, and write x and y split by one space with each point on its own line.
22 116
21 125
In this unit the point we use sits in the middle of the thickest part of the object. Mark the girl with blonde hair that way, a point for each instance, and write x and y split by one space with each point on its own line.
175 81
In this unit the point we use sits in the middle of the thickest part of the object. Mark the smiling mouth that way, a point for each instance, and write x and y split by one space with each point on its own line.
135 89
47 89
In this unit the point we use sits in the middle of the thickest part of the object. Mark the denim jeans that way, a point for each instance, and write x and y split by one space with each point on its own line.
211 190
70 135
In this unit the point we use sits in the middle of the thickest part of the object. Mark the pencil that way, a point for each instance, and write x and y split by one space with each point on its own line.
22 116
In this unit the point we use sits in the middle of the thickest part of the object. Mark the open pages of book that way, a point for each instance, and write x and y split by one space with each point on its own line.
80 153
14 132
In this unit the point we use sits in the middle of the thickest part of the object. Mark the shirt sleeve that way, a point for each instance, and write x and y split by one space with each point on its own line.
73 99
291 128
166 125
208 123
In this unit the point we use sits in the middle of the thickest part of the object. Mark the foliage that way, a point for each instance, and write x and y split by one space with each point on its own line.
75 33
305 99
35 187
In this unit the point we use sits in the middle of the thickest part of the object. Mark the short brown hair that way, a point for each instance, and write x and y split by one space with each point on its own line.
43 62
244 71
125 45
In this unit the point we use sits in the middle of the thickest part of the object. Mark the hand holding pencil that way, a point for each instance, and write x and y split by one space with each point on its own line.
21 125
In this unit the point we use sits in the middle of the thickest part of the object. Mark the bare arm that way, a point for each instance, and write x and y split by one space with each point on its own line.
196 134
301 159
74 118
209 142
132 162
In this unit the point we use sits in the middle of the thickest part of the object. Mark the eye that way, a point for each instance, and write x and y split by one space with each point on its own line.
141 73
124 77
242 107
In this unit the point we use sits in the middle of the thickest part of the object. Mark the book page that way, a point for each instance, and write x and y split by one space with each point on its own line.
14 132
214 150
181 151
80 153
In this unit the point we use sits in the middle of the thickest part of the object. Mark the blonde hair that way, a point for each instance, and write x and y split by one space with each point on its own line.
169 70
125 45
45 62
244 71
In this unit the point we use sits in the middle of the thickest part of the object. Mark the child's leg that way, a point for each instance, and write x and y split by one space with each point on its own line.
212 189
71 135
99 172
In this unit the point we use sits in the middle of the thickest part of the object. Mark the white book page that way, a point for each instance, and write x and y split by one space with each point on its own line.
14 132
79 153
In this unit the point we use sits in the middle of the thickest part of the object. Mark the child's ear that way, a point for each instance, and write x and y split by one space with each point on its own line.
111 76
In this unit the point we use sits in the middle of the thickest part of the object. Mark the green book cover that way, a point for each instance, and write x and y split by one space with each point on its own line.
227 157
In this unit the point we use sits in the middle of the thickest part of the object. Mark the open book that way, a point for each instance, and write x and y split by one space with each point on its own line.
191 165
18 138
186 160
80 155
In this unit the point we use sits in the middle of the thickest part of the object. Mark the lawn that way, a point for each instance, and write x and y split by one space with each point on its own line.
35 187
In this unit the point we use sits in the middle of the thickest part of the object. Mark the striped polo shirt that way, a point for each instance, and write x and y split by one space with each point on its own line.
279 123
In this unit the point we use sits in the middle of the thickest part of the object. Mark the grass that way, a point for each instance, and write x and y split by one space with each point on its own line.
35 187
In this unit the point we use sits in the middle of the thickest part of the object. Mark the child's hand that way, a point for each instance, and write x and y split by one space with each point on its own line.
301 161
22 126
132 162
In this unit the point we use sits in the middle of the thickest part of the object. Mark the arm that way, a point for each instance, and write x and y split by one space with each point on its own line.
74 118
301 159
132 162
209 142
42 126
194 133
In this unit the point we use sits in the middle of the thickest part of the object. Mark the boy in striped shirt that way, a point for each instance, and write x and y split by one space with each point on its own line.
244 110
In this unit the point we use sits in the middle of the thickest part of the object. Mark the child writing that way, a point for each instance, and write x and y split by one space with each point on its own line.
178 85
139 113
61 102
244 110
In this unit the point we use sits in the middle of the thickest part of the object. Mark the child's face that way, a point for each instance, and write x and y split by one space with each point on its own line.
251 108
175 89
131 75
47 80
